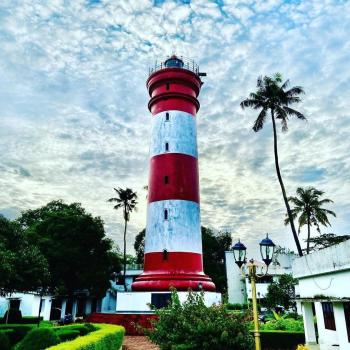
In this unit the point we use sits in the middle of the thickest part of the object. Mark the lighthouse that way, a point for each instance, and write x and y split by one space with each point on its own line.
173 244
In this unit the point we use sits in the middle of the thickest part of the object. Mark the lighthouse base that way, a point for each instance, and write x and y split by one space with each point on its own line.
140 302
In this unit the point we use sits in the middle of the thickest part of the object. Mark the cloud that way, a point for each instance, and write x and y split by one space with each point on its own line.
73 104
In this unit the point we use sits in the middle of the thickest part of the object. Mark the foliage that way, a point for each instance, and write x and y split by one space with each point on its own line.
139 246
192 325
67 334
214 247
281 340
74 243
22 266
308 206
281 292
236 306
106 337
272 95
19 331
38 339
326 240
127 201
284 324
4 340
302 347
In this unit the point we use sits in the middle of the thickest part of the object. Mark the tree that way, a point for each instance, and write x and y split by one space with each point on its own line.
272 96
308 206
23 267
79 255
281 292
127 201
214 247
192 325
326 240
139 246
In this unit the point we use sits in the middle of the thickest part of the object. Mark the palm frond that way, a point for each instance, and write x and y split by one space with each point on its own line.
293 112
294 91
259 122
253 103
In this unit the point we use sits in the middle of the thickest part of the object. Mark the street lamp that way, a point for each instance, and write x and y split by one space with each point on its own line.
267 250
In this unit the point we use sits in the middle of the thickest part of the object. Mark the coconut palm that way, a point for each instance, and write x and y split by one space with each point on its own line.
308 206
127 201
273 96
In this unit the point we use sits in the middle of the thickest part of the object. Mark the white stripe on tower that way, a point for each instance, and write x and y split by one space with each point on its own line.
178 130
179 232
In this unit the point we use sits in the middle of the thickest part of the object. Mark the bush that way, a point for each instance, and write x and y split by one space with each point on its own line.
31 319
192 325
18 333
83 329
230 306
4 340
38 339
106 337
15 316
287 324
67 334
281 340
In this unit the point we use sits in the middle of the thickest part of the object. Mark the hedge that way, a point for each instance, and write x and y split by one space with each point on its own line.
19 331
38 339
67 334
281 339
106 337
4 340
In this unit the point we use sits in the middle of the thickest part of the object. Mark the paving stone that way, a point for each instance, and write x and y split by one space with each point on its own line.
138 343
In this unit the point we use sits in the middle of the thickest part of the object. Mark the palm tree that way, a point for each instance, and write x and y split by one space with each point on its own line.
272 96
126 200
308 206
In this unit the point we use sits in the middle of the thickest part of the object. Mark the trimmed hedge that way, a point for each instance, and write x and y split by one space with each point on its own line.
67 334
19 331
4 340
38 339
281 339
106 337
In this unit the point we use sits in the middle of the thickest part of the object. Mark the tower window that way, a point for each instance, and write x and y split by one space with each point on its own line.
166 179
166 146
167 117
165 254
165 214
168 86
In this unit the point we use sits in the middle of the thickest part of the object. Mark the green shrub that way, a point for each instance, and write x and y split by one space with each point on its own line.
287 324
38 339
192 325
4 340
19 331
106 337
15 316
236 306
83 329
67 334
281 340
31 319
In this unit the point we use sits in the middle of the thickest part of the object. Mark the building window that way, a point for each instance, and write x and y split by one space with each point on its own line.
347 318
165 214
167 117
166 179
328 316
165 255
166 146
168 86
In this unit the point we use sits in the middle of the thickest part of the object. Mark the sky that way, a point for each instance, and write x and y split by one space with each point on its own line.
74 122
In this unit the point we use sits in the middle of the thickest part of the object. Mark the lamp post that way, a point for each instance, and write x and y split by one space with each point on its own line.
267 249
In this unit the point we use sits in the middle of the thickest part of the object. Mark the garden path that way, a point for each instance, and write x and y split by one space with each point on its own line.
138 343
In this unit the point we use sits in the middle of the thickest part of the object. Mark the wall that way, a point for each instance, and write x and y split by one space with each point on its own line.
235 285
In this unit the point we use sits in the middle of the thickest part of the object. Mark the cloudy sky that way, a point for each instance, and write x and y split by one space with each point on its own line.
73 105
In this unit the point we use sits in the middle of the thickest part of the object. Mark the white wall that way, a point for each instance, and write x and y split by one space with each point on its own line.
235 285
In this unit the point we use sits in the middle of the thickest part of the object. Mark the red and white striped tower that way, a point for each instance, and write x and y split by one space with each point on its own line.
173 244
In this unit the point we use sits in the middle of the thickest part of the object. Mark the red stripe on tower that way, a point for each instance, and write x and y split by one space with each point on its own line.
173 246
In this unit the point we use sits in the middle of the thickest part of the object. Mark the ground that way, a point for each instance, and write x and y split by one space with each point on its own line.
138 343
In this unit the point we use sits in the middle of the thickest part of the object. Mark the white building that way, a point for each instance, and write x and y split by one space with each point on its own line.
238 282
324 282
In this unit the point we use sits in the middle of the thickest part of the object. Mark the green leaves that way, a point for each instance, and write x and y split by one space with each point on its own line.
192 325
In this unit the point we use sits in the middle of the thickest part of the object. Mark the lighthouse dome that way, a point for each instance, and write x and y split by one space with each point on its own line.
174 62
